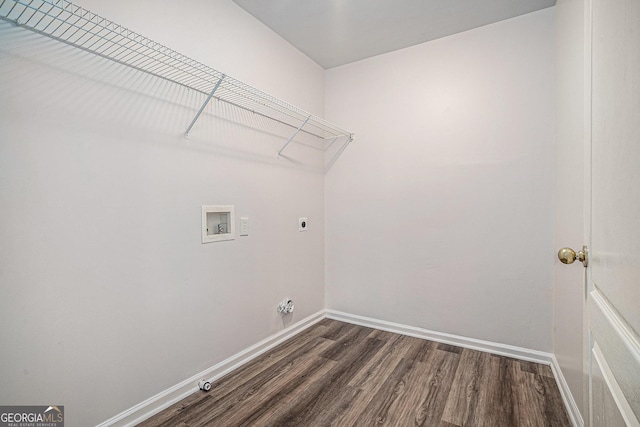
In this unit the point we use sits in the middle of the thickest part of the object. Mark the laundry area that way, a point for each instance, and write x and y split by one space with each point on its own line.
197 191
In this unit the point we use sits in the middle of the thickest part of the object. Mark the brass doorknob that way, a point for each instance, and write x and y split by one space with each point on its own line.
568 256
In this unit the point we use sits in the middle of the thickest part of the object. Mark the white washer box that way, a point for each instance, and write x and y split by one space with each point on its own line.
218 223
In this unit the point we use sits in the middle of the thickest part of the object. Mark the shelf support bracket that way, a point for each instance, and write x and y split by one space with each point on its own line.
195 119
293 136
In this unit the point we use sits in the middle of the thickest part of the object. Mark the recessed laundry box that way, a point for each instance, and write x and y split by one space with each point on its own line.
218 223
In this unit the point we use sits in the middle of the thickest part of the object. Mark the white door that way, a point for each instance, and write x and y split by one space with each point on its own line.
613 303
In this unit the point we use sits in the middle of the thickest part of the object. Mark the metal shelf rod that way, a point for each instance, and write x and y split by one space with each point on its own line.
293 136
193 122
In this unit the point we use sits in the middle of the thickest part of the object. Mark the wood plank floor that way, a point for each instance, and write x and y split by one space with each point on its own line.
338 374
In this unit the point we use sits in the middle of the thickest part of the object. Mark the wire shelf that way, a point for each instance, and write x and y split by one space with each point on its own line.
78 27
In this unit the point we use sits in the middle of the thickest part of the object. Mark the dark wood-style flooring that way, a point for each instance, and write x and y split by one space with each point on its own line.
339 374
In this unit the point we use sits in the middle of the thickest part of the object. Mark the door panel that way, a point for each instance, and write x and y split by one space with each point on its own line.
605 407
616 154
614 297
616 351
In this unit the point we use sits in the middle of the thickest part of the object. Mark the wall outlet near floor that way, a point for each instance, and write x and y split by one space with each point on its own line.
303 224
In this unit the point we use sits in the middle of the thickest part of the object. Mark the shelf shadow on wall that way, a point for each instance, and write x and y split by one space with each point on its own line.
116 99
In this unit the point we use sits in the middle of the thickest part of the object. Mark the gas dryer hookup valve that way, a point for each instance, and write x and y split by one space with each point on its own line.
286 306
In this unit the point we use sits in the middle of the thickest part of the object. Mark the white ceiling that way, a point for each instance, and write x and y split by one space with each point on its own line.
337 32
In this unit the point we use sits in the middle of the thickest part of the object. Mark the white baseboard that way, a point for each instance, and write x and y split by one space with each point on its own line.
474 344
163 400
569 402
457 340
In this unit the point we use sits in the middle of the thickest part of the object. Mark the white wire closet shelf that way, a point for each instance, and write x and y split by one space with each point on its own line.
78 27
